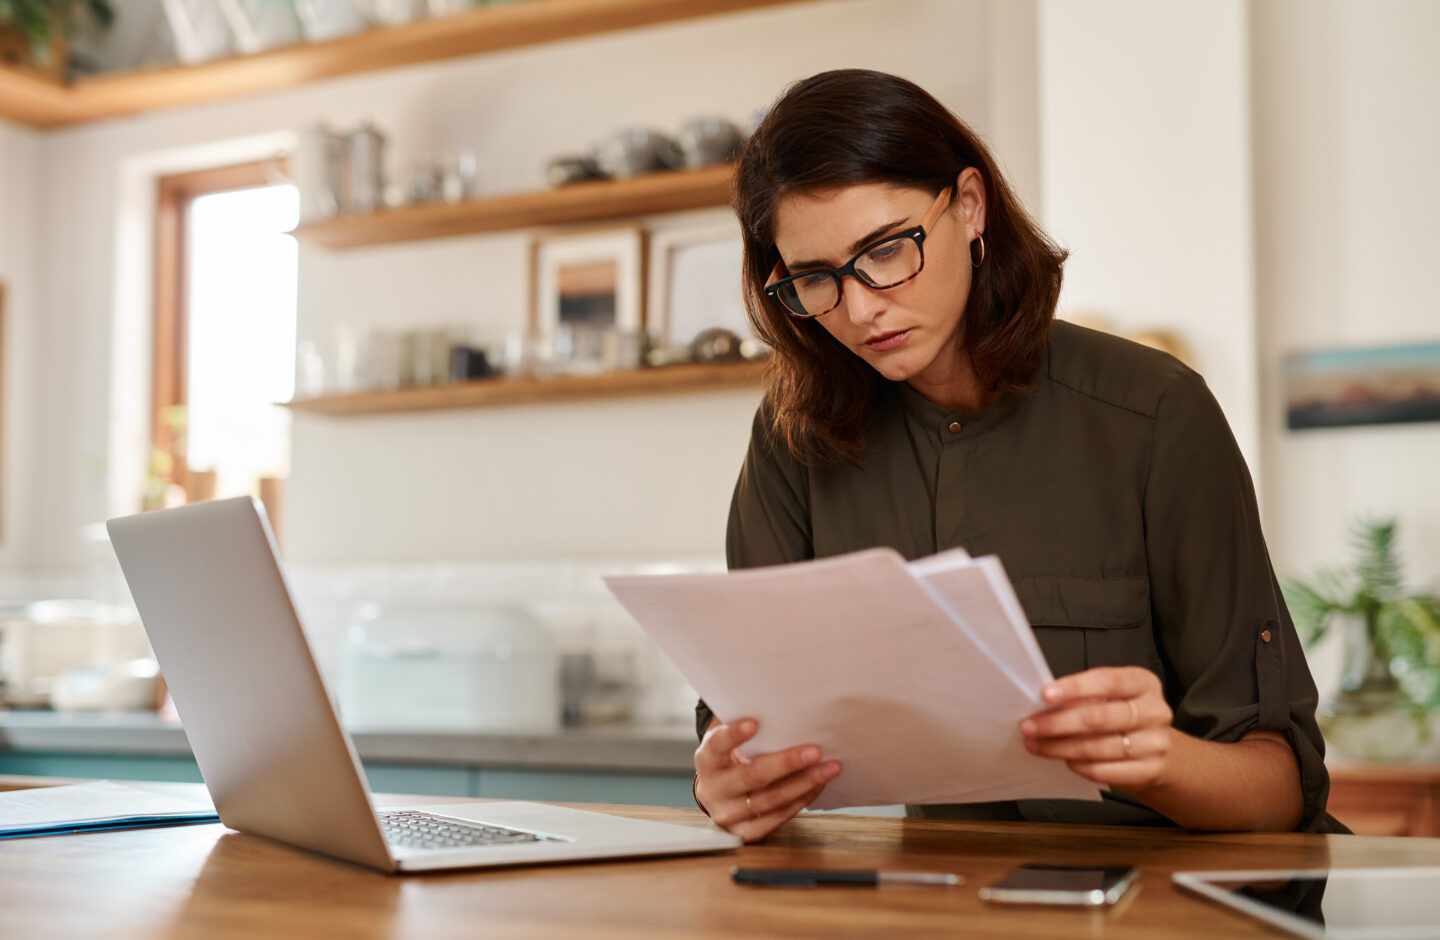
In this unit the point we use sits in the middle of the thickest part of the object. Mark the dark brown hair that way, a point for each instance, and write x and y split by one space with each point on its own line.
853 126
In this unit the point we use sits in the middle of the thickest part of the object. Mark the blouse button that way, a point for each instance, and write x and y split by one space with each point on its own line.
955 427
1265 636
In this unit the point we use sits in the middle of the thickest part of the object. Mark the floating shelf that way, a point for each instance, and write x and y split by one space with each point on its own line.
40 103
654 193
494 393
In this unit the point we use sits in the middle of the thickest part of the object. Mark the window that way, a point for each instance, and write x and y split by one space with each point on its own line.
224 332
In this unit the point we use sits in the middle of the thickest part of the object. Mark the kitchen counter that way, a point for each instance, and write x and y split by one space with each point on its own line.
620 763
625 747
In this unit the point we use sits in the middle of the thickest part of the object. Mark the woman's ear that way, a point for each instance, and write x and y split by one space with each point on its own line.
970 200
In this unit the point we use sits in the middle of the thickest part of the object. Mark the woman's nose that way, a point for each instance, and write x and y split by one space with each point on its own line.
862 304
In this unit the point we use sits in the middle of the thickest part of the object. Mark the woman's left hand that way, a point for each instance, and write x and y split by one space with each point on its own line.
1110 724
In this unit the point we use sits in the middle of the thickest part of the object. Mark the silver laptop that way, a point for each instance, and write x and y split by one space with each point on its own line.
208 584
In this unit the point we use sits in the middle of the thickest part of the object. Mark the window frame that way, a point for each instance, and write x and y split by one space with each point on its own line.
170 364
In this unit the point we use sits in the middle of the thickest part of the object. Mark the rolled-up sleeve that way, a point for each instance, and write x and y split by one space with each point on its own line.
1234 661
769 514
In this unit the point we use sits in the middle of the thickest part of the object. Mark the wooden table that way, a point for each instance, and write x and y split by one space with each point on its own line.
206 881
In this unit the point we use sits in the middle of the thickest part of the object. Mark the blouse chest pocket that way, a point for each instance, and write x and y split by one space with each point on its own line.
1082 623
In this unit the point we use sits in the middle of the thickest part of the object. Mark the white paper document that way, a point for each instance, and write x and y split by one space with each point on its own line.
915 677
88 806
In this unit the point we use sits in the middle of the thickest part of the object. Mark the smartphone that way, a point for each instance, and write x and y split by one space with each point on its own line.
1065 885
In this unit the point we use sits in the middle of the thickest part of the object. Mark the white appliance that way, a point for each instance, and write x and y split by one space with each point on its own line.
43 641
467 668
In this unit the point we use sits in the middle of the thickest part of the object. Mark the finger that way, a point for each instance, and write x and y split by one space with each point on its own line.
788 789
1125 774
1101 682
721 740
1136 745
766 769
1098 716
757 828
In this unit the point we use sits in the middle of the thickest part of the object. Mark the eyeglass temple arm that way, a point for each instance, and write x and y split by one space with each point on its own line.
941 203
776 273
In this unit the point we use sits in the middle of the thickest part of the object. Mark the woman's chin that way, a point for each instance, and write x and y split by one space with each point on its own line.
894 368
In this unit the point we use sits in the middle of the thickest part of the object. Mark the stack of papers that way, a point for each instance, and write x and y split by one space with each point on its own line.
914 675
90 807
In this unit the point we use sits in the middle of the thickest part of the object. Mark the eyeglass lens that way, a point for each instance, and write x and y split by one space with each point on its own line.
885 265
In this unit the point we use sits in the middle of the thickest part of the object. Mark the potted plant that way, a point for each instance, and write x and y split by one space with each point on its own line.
1390 679
33 33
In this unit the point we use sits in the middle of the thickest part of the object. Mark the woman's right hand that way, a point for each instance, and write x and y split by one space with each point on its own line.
751 796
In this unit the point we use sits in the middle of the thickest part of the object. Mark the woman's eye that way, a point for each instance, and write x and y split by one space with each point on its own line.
811 281
884 252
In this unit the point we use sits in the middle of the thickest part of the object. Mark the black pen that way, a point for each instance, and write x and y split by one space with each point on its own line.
811 878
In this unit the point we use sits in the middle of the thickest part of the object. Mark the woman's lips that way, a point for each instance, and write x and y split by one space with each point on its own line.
887 340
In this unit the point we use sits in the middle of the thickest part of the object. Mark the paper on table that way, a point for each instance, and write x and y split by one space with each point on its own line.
855 654
93 805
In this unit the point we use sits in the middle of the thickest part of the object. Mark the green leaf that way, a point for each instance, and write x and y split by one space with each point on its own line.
1377 567
1310 609
38 20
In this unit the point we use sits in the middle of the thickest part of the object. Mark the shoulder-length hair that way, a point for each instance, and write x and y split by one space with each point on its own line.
853 126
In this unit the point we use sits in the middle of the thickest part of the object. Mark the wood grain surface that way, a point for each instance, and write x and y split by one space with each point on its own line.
207 881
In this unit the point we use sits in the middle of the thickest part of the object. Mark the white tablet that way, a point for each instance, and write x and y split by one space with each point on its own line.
1333 903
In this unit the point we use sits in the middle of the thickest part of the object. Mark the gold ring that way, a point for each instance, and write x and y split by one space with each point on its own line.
1125 743
753 814
1134 714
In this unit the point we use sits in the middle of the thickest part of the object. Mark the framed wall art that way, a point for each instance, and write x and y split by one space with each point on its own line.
1381 385
586 284
695 283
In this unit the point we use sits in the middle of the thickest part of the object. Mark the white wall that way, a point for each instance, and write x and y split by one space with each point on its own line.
644 478
21 227
1347 151
1257 175
1145 170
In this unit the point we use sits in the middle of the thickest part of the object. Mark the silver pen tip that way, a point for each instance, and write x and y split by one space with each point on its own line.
919 878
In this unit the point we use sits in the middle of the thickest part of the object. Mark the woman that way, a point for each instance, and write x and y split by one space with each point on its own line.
923 397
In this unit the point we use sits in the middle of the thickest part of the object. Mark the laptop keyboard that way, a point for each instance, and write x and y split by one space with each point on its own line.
410 830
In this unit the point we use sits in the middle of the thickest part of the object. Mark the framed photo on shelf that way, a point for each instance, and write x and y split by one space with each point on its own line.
695 282
585 283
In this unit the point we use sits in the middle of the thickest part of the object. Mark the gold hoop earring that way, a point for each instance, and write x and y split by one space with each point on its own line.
974 263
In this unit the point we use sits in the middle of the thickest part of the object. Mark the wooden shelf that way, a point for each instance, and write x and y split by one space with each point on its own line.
494 393
654 193
44 104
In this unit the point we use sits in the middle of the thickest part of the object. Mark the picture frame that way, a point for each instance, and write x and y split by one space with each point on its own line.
1350 387
586 280
695 282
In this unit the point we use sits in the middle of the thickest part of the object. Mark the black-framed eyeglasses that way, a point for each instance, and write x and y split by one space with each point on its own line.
881 265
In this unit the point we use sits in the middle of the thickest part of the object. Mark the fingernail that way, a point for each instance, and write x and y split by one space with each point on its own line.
1051 693
832 770
810 755
1027 727
747 726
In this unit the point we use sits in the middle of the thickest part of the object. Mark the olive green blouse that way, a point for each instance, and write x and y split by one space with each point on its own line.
1123 511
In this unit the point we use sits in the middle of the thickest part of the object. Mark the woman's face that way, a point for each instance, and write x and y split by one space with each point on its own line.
908 333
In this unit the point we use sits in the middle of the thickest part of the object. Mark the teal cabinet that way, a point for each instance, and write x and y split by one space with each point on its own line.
546 786
560 785
425 781
100 766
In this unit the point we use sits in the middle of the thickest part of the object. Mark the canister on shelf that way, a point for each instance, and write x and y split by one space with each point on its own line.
366 187
320 167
